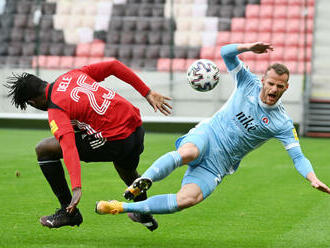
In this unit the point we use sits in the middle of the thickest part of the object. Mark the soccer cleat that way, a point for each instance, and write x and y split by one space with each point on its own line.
145 219
109 207
62 218
139 186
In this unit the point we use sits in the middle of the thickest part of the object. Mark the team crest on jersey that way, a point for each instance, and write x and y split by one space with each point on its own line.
53 127
265 120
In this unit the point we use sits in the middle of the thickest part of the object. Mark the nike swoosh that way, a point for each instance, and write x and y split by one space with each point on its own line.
50 222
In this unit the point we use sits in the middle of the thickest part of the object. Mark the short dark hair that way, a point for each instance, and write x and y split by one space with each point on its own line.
24 87
280 69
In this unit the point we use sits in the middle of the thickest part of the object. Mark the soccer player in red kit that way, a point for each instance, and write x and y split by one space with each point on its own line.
90 123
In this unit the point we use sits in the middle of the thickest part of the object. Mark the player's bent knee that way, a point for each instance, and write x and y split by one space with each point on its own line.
188 152
186 201
48 148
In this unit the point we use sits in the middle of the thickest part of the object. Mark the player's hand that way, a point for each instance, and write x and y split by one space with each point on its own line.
76 195
317 184
260 47
158 101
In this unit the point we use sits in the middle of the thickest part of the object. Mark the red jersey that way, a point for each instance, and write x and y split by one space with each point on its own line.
77 99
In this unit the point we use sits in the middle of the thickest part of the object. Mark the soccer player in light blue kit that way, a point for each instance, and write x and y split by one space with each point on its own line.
215 147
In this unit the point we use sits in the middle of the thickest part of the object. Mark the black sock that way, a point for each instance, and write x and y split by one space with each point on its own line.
54 173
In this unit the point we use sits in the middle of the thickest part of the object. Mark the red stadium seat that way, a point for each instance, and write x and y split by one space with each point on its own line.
207 53
294 2
292 40
236 37
266 11
279 25
179 65
80 62
221 65
291 54
252 11
302 67
310 12
53 62
277 54
223 38
263 56
39 61
310 26
265 37
292 66
250 37
294 12
66 62
252 25
218 52
279 11
163 64
93 60
267 2
278 39
97 49
261 66
189 62
294 25
306 40
280 2
265 25
237 24
83 50
304 54
248 56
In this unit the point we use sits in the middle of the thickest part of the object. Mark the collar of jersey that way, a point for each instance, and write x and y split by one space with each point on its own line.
264 105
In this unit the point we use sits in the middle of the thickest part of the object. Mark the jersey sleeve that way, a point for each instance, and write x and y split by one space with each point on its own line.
61 128
241 74
102 70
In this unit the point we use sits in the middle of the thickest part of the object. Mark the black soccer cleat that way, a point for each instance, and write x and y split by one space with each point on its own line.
138 187
145 219
62 218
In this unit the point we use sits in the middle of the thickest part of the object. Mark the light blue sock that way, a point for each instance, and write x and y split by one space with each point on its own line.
159 204
163 166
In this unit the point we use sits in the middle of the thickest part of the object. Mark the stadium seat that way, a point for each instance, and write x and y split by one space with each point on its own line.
181 38
251 37
118 10
236 37
180 52
66 62
25 62
207 53
165 52
193 53
53 62
93 60
293 25
3 48
85 34
138 51
57 36
306 40
125 52
113 37
145 11
12 61
209 38
210 24
30 35
111 51
17 35
224 24
142 24
266 11
239 11
237 24
150 64
23 7
28 49
292 40
166 38
131 10
184 10
104 8
157 11
46 22
249 56
304 54
310 12
304 67
152 52
163 64
97 49
252 11
279 11
278 39
48 8
265 37
292 66
127 37
63 8
260 66
199 10
83 50
223 38
277 54
179 65
69 50
267 2
225 11
80 62
137 64
140 38
252 25
20 20
155 38
56 49
60 21
291 54
156 24
263 57
39 61
279 25
115 24
195 39
265 25
7 20
294 12
280 2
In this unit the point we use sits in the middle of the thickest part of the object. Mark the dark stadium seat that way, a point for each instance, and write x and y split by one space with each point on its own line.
224 24
125 52
30 35
118 10
156 24
17 34
20 20
145 10
142 24
46 22
3 48
25 62
5 34
28 49
45 36
240 2
155 38
227 2
113 37
23 7
12 61
48 8
226 11
254 1
116 24
137 63
152 52
44 48
100 35
127 37
111 50
10 7
129 25
56 49
150 64
7 20
139 51
193 52
165 51
69 50
57 36
213 10
180 52
158 11
141 38
166 38
239 11
131 10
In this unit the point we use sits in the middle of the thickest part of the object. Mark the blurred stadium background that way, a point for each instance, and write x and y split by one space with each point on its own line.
159 39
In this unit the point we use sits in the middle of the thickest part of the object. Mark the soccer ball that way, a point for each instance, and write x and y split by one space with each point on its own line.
203 75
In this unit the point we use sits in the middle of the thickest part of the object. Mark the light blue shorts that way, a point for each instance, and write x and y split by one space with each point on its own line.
199 171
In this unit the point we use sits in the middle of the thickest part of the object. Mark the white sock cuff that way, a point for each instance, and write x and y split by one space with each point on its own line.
177 158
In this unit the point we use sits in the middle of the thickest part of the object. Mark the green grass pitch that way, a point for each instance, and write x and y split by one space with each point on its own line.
266 203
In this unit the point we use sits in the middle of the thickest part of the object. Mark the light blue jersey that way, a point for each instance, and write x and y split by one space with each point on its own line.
241 125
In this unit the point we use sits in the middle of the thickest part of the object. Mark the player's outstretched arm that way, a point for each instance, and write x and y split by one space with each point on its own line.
316 183
257 47
158 101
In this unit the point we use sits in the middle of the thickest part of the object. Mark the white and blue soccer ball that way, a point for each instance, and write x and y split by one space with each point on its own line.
203 75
